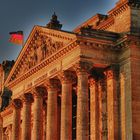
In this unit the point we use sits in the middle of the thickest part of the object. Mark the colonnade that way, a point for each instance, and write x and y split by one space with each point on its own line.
99 124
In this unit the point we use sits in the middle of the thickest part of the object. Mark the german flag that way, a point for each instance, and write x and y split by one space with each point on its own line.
16 37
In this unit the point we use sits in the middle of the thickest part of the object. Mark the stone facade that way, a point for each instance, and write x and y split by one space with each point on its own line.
80 85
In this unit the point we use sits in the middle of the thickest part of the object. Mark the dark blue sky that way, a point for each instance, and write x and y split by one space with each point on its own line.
24 14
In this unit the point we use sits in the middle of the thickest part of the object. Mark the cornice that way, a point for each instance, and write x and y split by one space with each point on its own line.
8 110
106 24
121 7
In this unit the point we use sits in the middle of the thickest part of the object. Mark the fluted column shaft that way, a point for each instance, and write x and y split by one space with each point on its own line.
1 127
93 110
16 119
26 121
112 105
52 112
103 133
82 123
38 115
66 107
82 107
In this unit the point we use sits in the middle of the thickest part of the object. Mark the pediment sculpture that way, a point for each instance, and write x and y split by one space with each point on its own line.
40 48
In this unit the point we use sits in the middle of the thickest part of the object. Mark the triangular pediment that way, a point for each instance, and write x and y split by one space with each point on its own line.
41 44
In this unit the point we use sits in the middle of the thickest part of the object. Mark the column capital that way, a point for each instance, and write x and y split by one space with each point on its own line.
66 76
1 119
112 71
39 91
17 103
91 81
83 66
27 98
52 84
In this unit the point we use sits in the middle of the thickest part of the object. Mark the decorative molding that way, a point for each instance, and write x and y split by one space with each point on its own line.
67 76
27 98
52 84
39 91
82 66
17 103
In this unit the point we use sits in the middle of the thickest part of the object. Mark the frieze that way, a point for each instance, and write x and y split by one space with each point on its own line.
53 71
43 77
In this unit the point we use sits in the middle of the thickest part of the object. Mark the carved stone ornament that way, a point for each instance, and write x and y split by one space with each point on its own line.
27 97
17 103
109 74
67 76
40 47
91 82
82 66
39 91
52 84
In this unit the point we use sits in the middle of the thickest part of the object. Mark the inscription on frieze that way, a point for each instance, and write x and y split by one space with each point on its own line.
53 71
41 78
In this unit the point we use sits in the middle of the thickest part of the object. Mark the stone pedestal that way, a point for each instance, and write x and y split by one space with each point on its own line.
52 110
16 119
66 106
26 121
94 118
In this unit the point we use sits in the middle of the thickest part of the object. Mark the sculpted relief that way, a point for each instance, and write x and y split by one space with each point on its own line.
40 48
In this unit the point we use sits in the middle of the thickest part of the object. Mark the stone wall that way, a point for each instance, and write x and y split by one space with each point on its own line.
135 82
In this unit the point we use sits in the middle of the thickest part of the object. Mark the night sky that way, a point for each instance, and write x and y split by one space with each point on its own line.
24 14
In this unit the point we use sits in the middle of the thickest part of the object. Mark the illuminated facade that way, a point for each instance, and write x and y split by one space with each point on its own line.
79 85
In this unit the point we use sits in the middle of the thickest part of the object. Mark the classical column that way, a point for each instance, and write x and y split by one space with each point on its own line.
26 120
17 104
102 110
112 105
93 109
66 105
82 124
1 127
52 110
38 93
44 118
